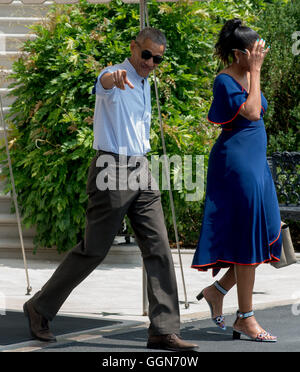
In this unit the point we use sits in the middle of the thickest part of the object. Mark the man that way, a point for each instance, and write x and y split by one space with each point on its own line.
121 138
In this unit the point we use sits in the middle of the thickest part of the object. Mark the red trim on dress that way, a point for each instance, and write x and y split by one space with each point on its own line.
231 119
272 258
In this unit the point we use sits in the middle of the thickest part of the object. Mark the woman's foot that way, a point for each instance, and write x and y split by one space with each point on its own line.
248 326
214 295
215 298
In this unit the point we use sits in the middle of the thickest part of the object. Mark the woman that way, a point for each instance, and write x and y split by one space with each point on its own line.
241 225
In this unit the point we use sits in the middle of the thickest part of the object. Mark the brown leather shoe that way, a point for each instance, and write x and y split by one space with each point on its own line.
38 325
169 342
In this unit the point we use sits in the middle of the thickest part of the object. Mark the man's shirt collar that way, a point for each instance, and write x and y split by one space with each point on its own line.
131 68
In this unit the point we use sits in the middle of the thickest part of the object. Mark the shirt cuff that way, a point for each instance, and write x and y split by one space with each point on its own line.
100 90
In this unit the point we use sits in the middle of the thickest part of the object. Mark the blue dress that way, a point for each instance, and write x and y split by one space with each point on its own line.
241 221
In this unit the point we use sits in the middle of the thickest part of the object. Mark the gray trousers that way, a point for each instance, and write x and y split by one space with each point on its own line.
105 213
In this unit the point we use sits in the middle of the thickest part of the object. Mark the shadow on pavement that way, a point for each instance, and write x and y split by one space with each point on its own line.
14 326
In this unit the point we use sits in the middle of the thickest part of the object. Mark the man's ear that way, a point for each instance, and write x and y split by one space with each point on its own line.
132 45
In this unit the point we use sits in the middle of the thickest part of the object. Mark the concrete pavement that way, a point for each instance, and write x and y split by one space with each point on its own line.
114 290
278 320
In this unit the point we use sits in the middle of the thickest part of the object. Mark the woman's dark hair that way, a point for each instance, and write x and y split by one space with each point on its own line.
234 36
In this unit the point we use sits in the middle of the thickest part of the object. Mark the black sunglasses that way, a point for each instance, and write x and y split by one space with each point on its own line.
146 54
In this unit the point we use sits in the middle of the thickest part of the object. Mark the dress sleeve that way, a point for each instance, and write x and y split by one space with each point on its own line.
229 97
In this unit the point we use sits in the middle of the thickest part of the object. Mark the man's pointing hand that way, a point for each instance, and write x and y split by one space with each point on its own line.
117 78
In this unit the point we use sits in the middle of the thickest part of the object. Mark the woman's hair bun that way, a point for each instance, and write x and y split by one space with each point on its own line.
234 35
231 25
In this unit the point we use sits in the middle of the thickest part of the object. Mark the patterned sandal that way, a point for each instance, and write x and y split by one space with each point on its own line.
219 320
260 337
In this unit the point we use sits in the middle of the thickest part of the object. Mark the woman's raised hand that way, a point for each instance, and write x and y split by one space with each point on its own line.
257 55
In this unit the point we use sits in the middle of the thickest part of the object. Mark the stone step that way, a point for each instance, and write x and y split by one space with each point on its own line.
1 138
18 9
2 143
15 244
5 111
6 100
5 81
5 204
15 19
12 250
123 254
7 59
9 227
17 25
3 181
13 42
2 187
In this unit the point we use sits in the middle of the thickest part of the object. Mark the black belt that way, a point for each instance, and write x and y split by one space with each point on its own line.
101 152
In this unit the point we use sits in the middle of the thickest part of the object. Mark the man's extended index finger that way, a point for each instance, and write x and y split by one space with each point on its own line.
125 79
128 82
